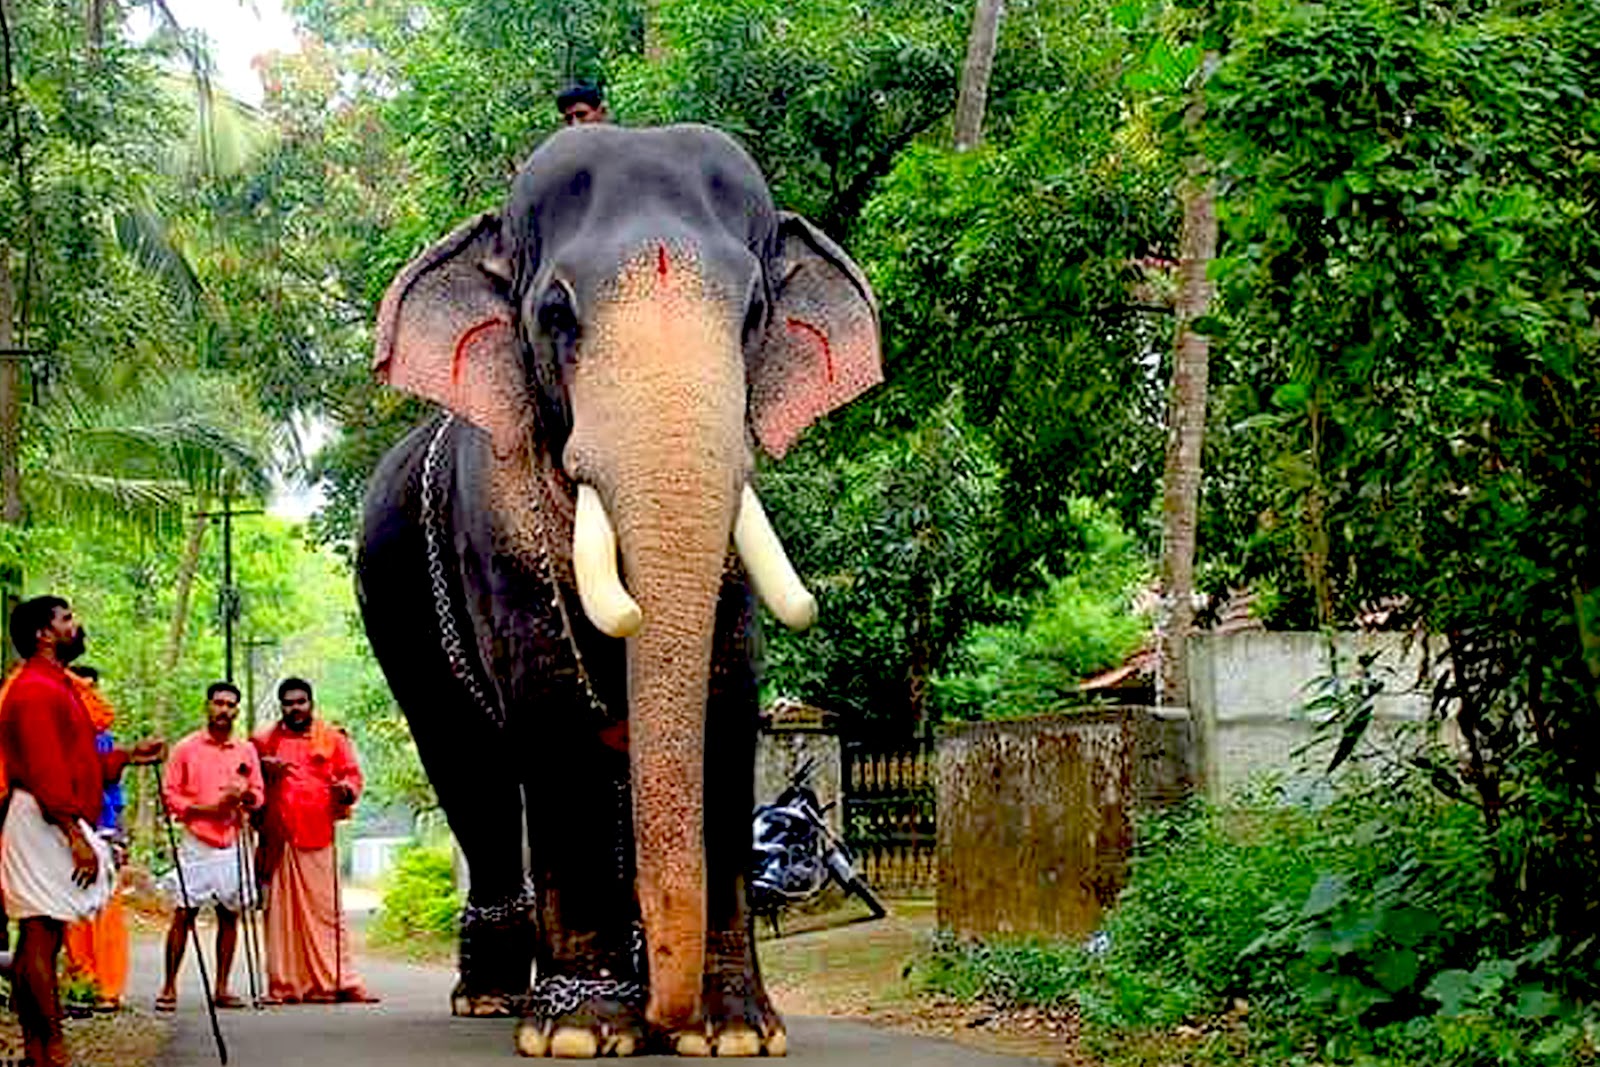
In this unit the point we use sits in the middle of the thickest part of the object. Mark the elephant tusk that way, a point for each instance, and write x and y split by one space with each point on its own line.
594 564
771 573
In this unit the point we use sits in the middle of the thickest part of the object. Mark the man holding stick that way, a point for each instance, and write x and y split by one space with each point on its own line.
212 784
313 780
53 867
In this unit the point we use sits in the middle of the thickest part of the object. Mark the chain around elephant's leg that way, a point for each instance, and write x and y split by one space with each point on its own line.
583 1016
496 954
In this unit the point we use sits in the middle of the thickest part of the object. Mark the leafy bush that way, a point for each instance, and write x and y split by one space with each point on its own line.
1080 623
1360 927
421 900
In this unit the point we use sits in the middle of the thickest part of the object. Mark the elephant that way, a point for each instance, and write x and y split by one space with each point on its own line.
559 571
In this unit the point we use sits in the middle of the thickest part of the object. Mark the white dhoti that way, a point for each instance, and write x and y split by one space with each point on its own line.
36 866
211 875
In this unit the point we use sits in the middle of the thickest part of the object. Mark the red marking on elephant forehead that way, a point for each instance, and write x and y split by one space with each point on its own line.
661 261
470 337
801 326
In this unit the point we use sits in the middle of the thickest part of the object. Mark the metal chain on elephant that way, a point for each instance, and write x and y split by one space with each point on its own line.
559 601
559 993
454 648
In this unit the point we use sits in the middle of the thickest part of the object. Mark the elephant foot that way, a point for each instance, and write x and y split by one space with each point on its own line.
606 1021
738 1023
571 1042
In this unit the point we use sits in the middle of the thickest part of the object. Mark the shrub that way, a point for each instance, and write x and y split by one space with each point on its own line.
421 900
1080 623
1360 927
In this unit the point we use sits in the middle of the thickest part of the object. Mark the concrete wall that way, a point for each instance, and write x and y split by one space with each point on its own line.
780 752
1248 692
1035 815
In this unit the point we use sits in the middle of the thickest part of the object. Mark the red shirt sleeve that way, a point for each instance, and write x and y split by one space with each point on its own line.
112 765
257 785
346 768
177 790
38 738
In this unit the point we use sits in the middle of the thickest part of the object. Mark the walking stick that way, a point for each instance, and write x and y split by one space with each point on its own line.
254 929
246 892
194 927
244 918
338 924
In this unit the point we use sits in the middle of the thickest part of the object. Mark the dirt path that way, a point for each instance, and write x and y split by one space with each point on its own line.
857 969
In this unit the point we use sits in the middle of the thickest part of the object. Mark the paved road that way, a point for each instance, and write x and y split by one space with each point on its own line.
411 1028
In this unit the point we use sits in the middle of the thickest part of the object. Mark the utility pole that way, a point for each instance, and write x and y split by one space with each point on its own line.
230 596
250 646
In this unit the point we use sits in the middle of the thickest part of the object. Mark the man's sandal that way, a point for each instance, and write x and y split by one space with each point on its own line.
166 1005
229 1000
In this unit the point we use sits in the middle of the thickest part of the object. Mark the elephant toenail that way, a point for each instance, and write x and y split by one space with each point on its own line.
692 1043
571 1043
739 1042
532 1040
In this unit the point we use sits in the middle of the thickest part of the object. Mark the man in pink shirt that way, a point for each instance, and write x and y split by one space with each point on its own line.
211 785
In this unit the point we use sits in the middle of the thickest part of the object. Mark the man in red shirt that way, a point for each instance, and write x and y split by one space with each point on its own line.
212 783
53 867
313 780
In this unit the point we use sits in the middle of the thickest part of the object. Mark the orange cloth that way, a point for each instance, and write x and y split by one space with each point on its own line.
308 941
99 708
199 771
97 949
300 806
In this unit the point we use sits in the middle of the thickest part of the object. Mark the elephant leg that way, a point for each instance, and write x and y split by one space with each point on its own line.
478 791
466 755
741 1020
588 992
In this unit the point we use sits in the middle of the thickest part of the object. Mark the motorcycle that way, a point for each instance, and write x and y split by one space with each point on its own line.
796 854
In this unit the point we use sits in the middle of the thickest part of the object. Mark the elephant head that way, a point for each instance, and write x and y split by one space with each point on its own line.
640 315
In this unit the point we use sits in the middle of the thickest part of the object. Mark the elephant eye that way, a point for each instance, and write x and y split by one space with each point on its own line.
755 317
555 314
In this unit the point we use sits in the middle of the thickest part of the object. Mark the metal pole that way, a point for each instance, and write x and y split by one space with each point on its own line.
246 893
249 688
194 927
227 582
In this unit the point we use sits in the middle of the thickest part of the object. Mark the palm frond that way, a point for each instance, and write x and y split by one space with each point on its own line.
98 499
145 236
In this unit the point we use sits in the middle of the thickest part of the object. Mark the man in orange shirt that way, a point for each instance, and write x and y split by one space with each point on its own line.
212 783
53 867
313 780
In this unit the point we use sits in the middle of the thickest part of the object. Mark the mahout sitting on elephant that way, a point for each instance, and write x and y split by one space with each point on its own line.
609 349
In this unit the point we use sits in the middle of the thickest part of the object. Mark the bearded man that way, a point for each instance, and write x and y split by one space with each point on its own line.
53 867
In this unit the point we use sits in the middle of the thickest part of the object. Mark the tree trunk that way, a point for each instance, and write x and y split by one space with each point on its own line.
973 97
187 568
1186 422
655 51
10 400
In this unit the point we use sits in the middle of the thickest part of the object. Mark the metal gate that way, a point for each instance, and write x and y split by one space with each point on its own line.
889 813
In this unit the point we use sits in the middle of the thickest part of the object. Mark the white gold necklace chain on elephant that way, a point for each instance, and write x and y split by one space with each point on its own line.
450 635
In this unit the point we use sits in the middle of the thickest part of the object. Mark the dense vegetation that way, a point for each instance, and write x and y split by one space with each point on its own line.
1404 414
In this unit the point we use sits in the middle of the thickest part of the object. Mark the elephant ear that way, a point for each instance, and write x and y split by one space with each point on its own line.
821 350
445 333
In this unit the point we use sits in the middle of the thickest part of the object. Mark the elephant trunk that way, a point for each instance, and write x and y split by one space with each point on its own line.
659 433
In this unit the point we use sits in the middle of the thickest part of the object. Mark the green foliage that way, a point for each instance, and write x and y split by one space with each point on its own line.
1361 927
421 903
1077 625
895 541
1409 364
